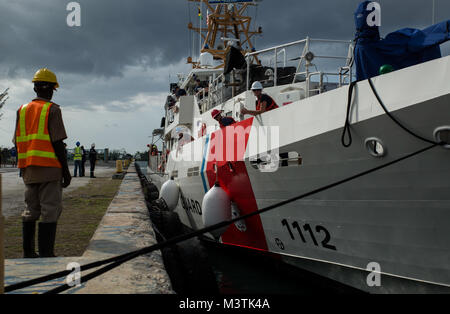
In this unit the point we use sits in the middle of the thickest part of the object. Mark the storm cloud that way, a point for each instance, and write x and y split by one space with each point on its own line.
115 34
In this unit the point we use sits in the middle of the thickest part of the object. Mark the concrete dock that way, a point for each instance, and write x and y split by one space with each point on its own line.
125 227
13 187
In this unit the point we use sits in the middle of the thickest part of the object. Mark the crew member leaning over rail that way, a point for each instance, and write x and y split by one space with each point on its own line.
41 156
223 121
263 101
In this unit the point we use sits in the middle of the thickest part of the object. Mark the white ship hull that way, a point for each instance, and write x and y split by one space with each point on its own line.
398 217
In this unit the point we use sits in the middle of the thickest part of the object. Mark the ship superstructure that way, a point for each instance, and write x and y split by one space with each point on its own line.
396 218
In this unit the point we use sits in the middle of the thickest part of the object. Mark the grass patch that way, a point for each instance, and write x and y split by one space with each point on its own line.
83 209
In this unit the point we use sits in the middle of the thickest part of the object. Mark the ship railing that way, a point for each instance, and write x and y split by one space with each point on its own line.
303 68
275 61
216 92
222 88
321 87
203 99
170 115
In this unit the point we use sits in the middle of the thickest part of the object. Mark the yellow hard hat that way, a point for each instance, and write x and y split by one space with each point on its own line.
45 75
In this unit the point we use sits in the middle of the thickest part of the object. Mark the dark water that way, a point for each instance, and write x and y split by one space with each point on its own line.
240 271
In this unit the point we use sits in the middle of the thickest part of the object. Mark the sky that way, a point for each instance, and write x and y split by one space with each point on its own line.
114 70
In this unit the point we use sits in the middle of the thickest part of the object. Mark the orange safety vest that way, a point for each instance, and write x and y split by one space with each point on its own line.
270 106
34 146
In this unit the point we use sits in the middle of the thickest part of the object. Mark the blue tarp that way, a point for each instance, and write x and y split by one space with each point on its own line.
400 49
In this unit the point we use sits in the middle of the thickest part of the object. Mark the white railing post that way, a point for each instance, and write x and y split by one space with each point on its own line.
248 71
307 67
2 255
233 88
275 72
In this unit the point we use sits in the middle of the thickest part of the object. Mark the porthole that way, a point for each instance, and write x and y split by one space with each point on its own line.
375 147
442 134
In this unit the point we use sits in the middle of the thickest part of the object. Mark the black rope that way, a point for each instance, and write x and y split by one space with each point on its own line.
347 117
126 257
116 261
395 120
57 275
60 274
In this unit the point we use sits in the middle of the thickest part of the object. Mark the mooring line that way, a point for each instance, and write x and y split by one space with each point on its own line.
118 260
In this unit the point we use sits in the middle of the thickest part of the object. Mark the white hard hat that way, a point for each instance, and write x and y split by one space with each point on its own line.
257 86
93 145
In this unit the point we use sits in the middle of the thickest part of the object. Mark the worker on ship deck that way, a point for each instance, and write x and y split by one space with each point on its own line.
223 121
178 93
198 86
200 89
264 102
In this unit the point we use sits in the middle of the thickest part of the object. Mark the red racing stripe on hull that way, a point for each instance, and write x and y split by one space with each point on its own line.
233 178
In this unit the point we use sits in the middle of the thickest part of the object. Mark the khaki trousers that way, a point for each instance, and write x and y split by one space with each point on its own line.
43 200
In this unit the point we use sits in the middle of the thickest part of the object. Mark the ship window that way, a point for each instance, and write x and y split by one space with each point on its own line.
193 172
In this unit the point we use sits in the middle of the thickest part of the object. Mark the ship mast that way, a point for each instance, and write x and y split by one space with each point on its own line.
226 22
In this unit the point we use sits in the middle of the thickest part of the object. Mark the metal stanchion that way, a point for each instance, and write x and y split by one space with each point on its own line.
2 256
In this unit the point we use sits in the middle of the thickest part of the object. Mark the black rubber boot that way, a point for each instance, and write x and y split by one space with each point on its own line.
28 235
46 239
92 174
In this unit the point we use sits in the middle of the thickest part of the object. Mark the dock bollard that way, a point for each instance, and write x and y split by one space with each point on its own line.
119 168
2 256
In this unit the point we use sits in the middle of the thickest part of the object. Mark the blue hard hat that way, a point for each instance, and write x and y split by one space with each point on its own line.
78 143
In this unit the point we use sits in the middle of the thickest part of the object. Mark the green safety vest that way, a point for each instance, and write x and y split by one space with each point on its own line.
78 153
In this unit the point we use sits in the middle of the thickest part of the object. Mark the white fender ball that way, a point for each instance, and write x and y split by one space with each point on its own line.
170 193
216 207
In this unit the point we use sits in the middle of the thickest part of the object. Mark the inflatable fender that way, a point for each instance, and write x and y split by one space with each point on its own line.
170 192
216 207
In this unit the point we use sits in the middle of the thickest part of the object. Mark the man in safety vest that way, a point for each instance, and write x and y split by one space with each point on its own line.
77 157
263 101
41 157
